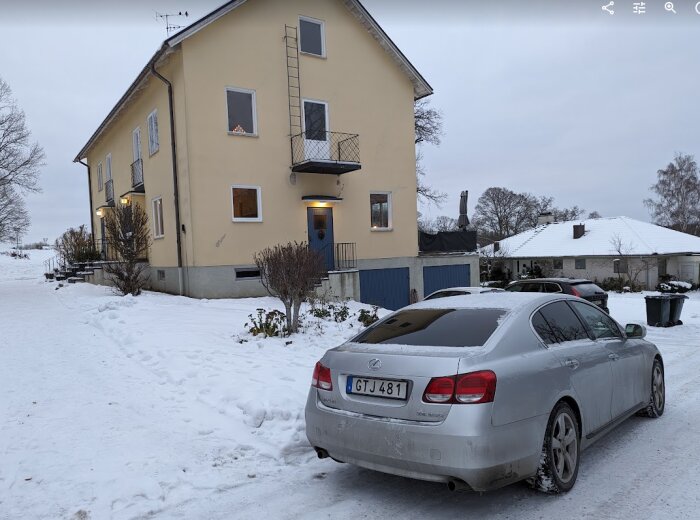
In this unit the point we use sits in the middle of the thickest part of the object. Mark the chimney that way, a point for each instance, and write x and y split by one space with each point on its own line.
545 218
579 230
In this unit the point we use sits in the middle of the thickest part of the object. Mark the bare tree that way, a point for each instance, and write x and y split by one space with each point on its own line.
629 265
129 237
428 129
290 272
14 218
594 214
20 159
678 191
76 245
501 212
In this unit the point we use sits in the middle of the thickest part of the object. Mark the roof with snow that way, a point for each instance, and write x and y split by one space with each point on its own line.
636 238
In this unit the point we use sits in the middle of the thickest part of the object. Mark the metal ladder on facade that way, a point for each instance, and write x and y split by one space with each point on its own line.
291 43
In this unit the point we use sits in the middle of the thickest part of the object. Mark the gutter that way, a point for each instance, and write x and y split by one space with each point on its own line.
92 225
176 190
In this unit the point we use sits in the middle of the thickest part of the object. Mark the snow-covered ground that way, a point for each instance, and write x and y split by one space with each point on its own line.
152 407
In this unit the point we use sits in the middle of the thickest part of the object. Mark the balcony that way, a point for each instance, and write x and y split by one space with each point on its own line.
109 192
137 176
325 152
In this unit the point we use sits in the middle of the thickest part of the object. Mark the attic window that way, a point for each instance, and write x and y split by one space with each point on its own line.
312 36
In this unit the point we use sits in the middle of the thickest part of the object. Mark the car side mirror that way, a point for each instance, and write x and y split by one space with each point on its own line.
635 330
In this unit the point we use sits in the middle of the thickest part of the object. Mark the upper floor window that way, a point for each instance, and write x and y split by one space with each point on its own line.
380 210
246 201
242 119
312 37
108 162
100 180
153 144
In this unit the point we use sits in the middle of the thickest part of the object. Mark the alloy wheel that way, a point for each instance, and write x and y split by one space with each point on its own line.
564 447
658 388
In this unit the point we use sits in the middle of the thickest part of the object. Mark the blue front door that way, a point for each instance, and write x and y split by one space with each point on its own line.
320 223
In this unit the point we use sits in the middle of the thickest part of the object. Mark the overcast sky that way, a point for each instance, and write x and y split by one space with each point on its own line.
554 97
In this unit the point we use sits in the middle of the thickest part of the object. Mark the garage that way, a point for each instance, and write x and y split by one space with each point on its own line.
442 276
388 288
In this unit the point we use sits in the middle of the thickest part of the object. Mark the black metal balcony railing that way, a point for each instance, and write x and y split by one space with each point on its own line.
137 173
345 257
109 191
325 152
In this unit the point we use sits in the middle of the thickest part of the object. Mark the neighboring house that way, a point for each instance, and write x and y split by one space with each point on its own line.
267 122
601 248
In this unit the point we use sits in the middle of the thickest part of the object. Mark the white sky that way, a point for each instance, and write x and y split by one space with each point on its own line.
552 97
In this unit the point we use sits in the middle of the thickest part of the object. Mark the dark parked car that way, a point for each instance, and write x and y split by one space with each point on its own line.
577 287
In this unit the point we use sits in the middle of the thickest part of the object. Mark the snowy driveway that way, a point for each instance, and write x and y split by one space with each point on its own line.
149 407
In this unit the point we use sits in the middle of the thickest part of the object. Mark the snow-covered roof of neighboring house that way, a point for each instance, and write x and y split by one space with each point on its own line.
557 240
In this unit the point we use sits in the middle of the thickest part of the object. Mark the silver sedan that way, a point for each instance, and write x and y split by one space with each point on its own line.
483 392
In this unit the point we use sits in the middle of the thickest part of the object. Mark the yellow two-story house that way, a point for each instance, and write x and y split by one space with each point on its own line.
264 122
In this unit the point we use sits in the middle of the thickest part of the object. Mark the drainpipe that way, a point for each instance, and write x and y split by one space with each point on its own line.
92 215
175 185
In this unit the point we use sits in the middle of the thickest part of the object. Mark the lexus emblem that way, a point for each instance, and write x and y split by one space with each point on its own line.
374 364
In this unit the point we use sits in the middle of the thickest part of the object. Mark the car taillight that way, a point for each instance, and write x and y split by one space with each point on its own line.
477 387
575 292
473 388
439 390
322 377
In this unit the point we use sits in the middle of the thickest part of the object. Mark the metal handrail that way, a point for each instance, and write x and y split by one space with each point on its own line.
345 256
137 173
335 147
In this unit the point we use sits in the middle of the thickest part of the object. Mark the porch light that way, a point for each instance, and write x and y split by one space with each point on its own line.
124 201
320 201
99 212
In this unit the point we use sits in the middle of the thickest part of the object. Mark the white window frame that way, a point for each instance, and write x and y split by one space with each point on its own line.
108 168
156 220
259 194
255 111
152 124
390 209
100 179
136 143
323 36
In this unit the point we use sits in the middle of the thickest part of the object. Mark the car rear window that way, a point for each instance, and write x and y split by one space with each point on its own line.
445 294
587 288
435 327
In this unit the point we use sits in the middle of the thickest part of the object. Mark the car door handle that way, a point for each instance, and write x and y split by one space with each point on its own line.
614 357
571 363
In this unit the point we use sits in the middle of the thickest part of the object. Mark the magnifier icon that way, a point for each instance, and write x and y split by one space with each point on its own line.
669 7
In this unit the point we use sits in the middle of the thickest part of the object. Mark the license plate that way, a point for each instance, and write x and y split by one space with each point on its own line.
390 389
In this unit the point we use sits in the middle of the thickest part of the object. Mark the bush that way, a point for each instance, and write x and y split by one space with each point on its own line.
340 311
76 245
290 272
129 235
268 323
619 284
368 317
675 286
16 254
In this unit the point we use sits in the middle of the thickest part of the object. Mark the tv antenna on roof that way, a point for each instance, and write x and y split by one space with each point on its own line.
169 26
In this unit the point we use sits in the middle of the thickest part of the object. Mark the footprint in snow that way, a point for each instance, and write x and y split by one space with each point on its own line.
320 476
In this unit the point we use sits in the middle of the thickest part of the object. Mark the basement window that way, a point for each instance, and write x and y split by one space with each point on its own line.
241 111
312 36
161 275
246 203
243 273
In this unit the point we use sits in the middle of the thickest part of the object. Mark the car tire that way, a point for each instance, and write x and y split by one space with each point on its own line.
561 452
657 398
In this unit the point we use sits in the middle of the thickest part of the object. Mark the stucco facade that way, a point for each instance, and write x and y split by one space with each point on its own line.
368 90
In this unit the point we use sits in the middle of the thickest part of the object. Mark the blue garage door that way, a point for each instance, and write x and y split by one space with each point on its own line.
388 288
442 276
